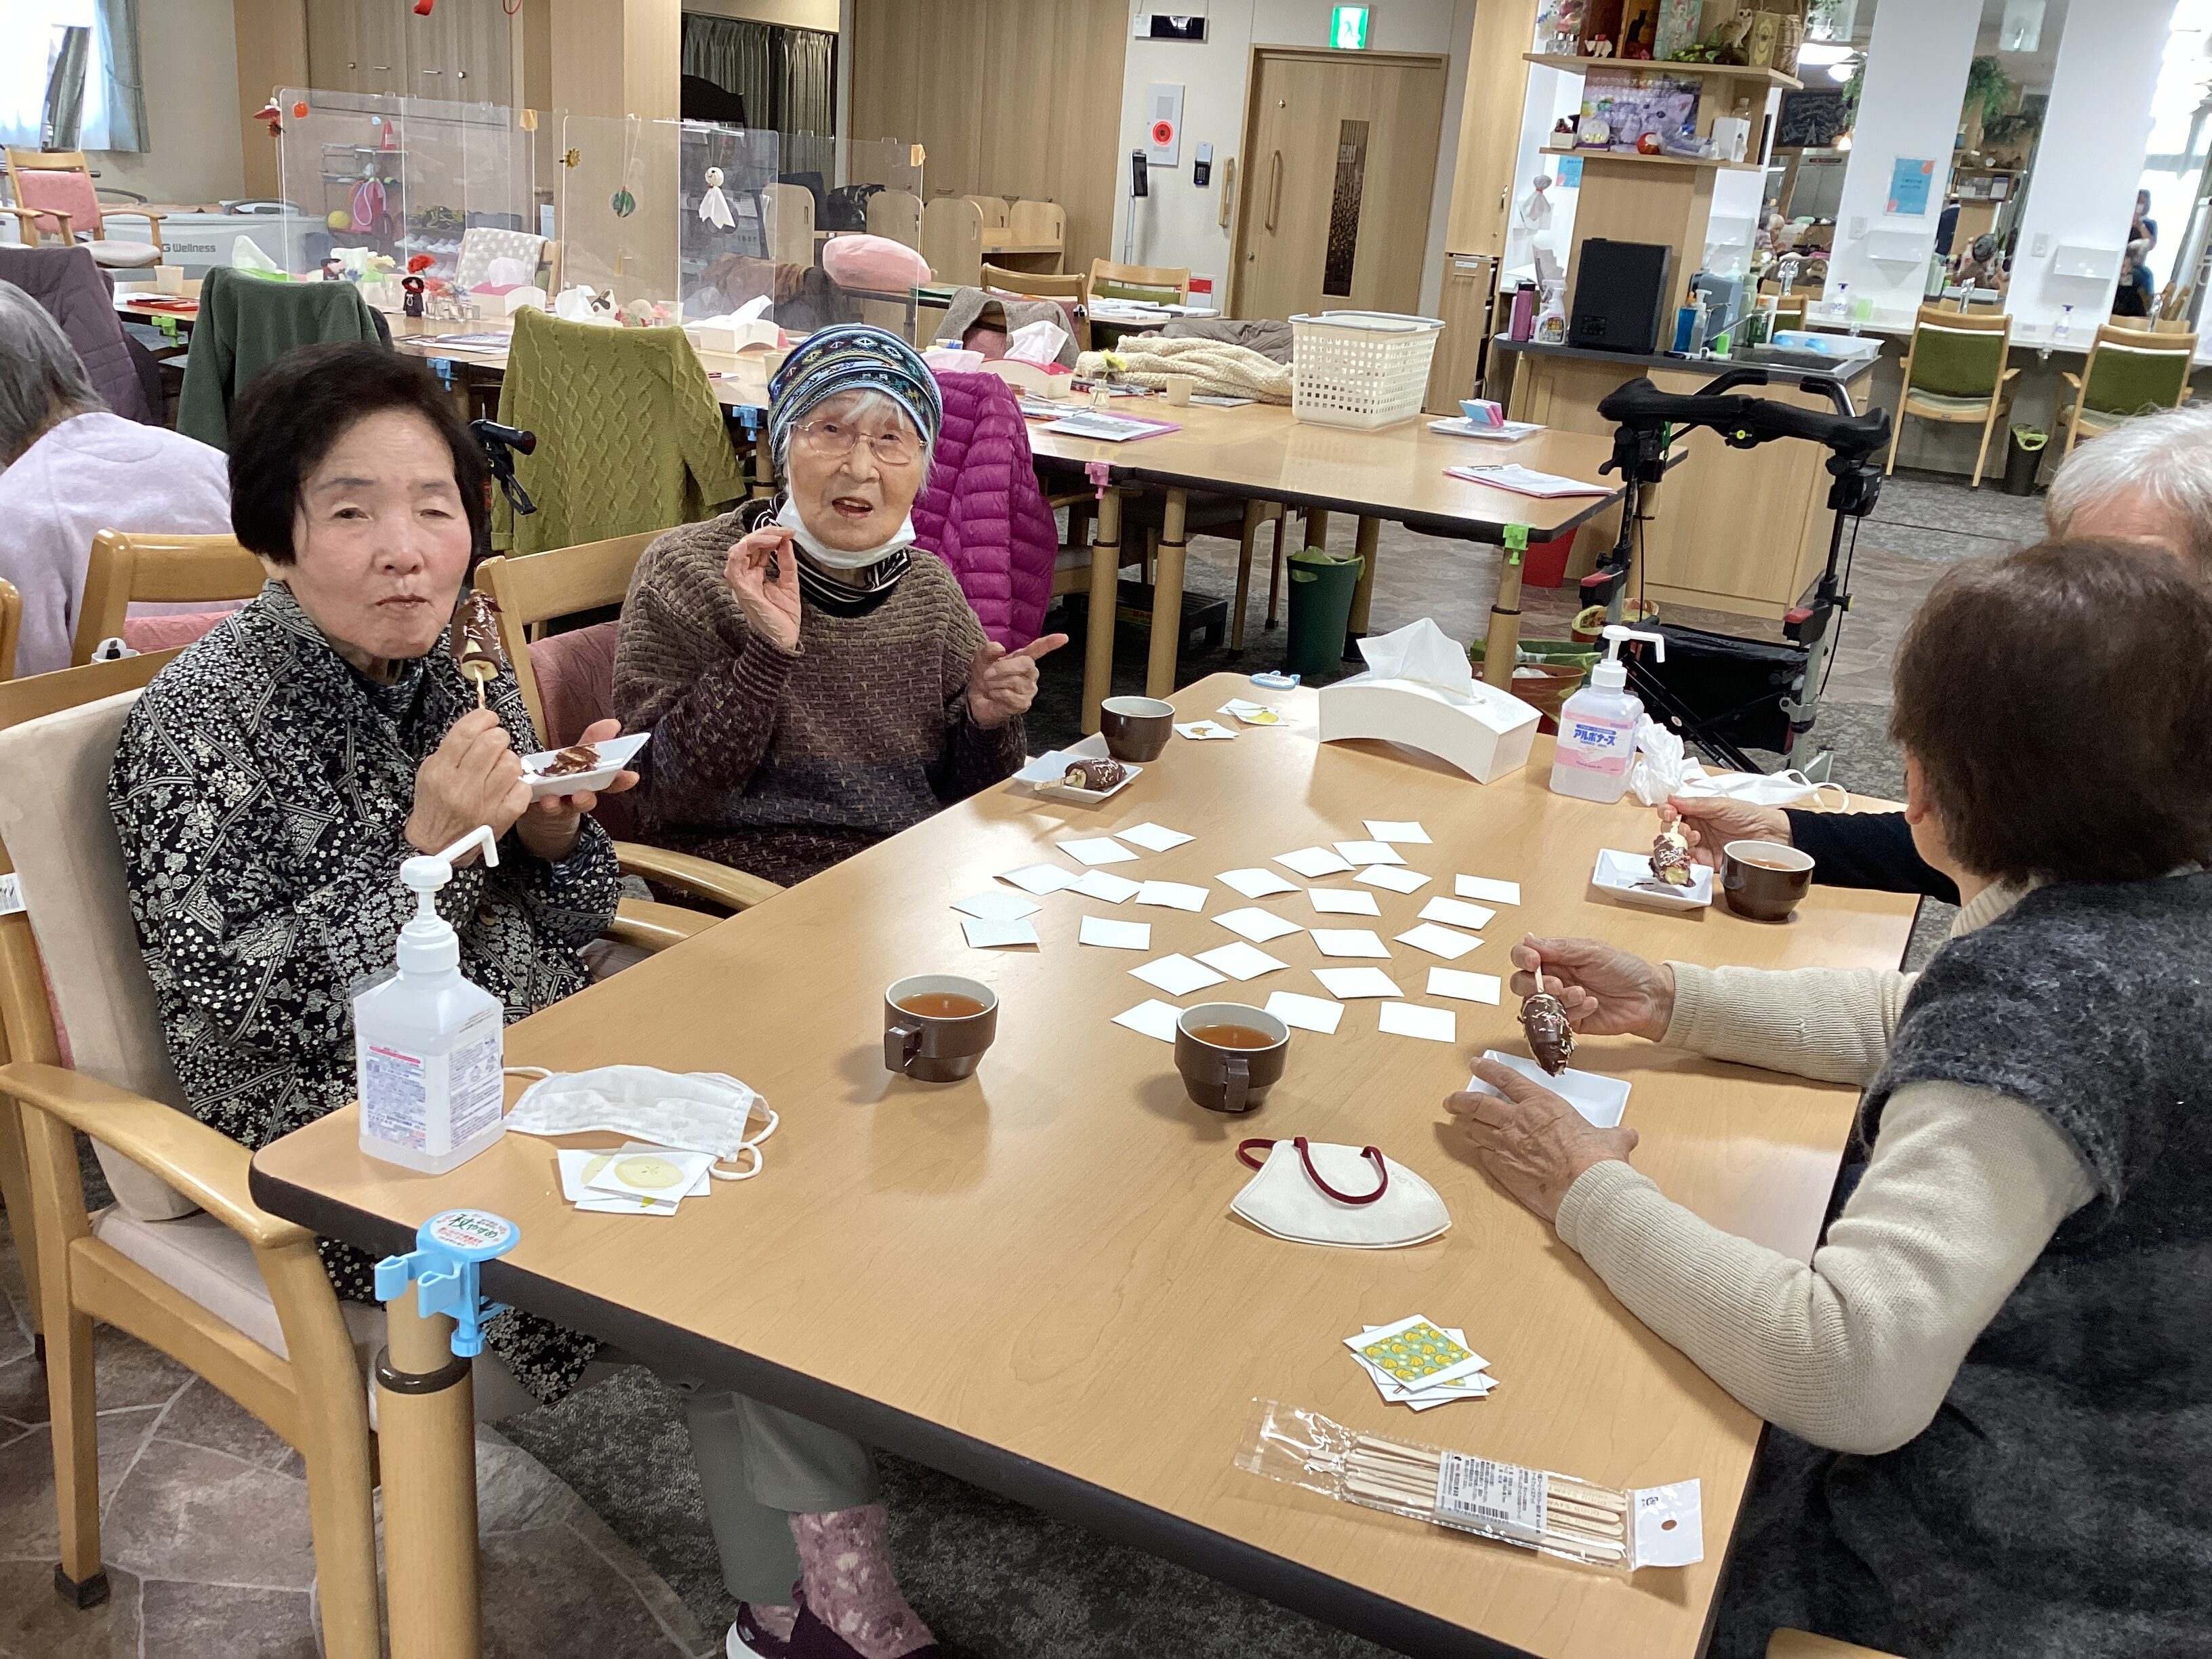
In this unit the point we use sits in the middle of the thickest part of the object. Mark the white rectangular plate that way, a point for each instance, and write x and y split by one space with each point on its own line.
614 754
1600 1099
1627 877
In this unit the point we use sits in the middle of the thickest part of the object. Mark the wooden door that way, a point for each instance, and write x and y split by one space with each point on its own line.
380 47
1340 172
332 64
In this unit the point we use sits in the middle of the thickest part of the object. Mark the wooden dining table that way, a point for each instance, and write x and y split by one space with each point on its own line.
1032 1278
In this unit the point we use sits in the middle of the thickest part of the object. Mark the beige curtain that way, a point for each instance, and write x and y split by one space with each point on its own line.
736 56
809 81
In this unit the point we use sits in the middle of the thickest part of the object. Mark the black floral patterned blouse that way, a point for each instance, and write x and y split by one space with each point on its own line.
261 791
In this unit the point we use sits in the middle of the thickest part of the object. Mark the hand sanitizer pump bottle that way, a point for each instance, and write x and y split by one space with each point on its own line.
1597 726
427 1044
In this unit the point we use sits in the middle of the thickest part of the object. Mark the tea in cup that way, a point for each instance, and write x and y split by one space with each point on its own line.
936 1026
1230 1054
1764 880
1136 728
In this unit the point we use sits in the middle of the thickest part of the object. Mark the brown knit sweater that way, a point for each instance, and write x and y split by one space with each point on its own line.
781 762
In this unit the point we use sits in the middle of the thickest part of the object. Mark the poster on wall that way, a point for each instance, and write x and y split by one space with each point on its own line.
1910 180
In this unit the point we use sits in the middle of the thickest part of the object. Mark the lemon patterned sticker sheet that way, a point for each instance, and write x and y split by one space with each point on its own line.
1415 1351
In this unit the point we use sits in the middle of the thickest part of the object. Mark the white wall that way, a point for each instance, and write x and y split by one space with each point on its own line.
189 50
1916 79
792 14
1175 223
2082 191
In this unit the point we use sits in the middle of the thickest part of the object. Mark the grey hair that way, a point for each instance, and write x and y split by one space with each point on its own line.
2165 456
42 379
867 400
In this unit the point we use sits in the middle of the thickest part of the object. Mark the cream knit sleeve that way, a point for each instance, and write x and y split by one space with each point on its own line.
1856 1351
1833 1025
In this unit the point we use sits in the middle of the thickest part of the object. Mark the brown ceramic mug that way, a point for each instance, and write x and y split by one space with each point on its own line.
1764 879
1230 1054
936 1026
1136 728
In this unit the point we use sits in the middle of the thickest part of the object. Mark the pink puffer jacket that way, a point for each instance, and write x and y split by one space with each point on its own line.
982 513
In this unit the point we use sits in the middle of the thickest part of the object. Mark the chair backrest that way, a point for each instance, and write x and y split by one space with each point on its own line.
560 582
261 320
11 626
1110 281
996 213
1950 316
2131 369
952 240
1953 362
481 244
126 566
57 738
895 214
1033 221
790 211
56 181
1036 285
1790 311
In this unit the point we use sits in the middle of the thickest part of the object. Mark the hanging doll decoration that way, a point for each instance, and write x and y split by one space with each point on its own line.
413 284
714 206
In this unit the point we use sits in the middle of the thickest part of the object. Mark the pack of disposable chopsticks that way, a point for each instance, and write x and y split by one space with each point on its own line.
1575 1520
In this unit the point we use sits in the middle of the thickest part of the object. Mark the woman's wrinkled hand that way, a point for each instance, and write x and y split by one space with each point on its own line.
1531 1142
1002 684
549 828
474 776
1606 991
770 602
1709 822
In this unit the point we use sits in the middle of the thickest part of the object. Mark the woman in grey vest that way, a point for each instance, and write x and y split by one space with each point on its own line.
1992 1385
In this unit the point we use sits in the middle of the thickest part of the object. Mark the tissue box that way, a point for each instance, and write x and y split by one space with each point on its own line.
1483 732
731 338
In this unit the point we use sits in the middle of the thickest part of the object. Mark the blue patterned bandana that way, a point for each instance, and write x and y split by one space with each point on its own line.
851 357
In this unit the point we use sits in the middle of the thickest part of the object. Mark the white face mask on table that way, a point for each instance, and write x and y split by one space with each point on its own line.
1318 1193
831 558
691 1111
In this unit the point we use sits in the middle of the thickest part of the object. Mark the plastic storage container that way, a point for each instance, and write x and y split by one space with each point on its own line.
1360 368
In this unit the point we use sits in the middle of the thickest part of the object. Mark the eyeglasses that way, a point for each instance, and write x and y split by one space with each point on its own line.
835 440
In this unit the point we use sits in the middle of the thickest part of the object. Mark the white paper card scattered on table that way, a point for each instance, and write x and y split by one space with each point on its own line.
1457 911
1040 878
1599 1099
1411 1019
1343 901
1105 885
1240 961
578 1164
1438 941
1313 861
1257 925
1176 976
1467 988
661 1173
1201 731
1350 942
1492 892
998 906
1256 884
1154 1018
1174 895
1357 982
1307 1013
1156 836
996 935
1098 849
1370 852
1116 935
1392 876
1251 714
1397 829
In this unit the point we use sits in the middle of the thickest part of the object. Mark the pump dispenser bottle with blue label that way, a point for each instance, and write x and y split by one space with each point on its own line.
1597 726
427 1044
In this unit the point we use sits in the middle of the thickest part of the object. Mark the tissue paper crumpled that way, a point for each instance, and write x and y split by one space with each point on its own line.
1040 342
1664 769
1419 651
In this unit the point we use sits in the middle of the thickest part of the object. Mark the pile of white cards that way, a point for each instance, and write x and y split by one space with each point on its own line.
1418 1363
640 1179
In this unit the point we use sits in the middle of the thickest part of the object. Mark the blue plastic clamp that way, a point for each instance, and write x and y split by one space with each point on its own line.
448 1249
1275 681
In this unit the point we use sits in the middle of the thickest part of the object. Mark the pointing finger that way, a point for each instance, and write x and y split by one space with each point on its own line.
1043 646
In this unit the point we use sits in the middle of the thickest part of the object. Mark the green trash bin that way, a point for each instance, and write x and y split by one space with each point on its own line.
1322 587
2023 458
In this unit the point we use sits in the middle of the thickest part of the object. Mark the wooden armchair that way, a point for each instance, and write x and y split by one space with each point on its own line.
562 582
11 626
54 194
126 566
2128 372
1161 284
1954 371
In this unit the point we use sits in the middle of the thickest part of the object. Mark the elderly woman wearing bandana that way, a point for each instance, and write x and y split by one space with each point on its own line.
812 682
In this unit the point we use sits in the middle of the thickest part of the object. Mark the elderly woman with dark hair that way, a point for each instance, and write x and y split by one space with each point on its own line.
271 780
1993 1381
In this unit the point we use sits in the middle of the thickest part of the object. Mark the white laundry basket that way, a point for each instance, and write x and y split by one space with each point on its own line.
1360 368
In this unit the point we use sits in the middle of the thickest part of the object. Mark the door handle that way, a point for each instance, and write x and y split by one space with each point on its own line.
1274 186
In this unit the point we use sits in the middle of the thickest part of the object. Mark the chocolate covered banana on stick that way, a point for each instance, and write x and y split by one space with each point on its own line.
475 640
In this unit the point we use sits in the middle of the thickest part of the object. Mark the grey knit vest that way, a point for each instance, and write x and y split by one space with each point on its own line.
2061 1501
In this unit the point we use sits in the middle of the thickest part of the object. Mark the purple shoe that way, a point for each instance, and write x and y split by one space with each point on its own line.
812 1640
747 1638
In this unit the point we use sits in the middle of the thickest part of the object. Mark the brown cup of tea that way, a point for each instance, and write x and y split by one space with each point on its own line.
1230 1054
1136 728
936 1026
1764 879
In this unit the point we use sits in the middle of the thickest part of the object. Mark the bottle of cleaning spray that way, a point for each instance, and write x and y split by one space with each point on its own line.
1597 726
428 1047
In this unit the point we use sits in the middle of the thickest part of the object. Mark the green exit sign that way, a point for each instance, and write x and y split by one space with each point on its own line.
1347 28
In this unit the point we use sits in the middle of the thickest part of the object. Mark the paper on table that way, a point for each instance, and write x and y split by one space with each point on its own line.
1307 1013
1157 837
1600 1099
1412 1019
1039 878
1526 481
1096 849
1106 885
994 935
1369 852
998 906
1350 942
1467 988
1154 1018
1201 731
1479 887
1257 925
1438 941
1357 982
1397 879
1256 884
1240 961
1402 830
1343 901
1174 895
1116 935
1456 911
1313 861
1420 651
663 1173
578 1165
1251 714
1176 976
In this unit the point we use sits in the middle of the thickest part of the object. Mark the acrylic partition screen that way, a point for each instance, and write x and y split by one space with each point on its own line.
843 172
616 206
726 228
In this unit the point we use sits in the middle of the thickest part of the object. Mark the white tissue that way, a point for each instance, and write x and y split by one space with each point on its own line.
573 304
951 359
1040 342
521 299
506 272
246 254
1419 651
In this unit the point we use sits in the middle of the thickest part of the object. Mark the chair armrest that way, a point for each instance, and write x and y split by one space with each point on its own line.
204 1164
702 878
2073 380
2012 374
29 219
653 927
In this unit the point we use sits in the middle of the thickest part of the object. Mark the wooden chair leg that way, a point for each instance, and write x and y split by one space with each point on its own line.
15 1195
1982 455
1247 539
1275 569
1896 431
58 1189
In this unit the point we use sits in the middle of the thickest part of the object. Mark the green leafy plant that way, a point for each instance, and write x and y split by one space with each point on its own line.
1988 87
